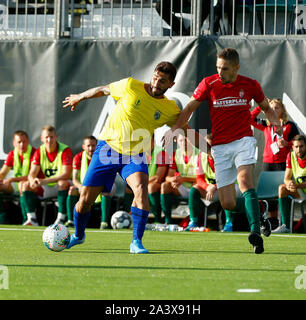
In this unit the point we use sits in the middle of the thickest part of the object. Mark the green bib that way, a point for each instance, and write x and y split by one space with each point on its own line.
84 167
209 174
152 167
189 169
22 170
55 168
299 174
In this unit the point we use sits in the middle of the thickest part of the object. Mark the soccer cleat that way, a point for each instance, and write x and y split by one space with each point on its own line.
191 225
74 240
256 241
59 221
31 222
265 225
137 247
281 229
228 227
103 225
69 223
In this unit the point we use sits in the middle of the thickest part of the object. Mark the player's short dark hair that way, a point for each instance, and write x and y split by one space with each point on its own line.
90 138
230 55
299 137
20 133
168 68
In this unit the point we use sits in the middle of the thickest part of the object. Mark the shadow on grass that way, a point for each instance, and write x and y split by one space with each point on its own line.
147 268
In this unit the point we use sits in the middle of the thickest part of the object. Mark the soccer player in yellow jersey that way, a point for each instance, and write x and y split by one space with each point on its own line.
141 108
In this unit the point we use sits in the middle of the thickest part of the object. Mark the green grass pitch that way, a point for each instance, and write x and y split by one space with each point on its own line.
180 266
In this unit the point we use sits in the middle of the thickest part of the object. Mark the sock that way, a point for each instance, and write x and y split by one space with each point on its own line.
139 218
252 209
23 209
194 204
70 203
105 208
29 202
240 205
61 199
229 216
166 205
127 201
284 208
80 222
154 199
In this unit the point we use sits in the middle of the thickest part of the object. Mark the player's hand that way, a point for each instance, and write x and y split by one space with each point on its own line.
72 101
278 129
282 143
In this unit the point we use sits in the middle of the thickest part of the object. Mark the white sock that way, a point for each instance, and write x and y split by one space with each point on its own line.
31 216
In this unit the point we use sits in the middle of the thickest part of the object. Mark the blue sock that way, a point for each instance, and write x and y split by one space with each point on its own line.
140 218
80 222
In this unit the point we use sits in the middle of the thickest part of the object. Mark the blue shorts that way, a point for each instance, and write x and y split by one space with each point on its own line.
106 162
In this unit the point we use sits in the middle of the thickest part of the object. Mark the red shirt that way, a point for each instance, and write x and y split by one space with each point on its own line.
289 131
9 161
301 162
77 161
66 158
229 106
162 159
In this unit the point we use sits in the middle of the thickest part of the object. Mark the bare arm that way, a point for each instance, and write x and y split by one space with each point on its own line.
76 179
4 171
181 123
271 115
74 99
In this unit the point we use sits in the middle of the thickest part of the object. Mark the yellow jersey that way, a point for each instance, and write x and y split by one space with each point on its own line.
129 128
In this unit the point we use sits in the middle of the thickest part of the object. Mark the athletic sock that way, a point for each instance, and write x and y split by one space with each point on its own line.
105 208
166 205
229 216
127 201
284 208
30 202
252 209
139 218
70 203
80 222
154 199
23 208
194 204
62 199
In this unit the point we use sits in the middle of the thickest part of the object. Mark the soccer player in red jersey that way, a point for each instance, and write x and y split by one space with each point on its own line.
233 145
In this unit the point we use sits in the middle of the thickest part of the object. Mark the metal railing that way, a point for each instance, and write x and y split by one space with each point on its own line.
97 19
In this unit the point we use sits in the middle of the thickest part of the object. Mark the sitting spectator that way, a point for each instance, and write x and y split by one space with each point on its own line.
204 188
158 162
276 148
181 175
19 160
294 181
49 175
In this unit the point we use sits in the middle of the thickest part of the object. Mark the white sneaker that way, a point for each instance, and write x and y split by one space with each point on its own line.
30 222
61 218
281 229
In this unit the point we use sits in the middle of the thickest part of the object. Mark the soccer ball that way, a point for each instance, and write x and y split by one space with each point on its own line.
56 237
120 220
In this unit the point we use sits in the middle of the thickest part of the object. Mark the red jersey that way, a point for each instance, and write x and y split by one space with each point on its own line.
301 162
162 159
66 158
229 106
9 161
201 179
77 161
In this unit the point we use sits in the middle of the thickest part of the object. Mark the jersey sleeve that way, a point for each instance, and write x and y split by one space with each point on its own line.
9 161
162 159
36 157
258 94
201 91
288 161
77 160
67 157
117 88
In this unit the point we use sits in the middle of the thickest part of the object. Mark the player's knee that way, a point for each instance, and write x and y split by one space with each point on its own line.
63 184
228 204
166 187
282 191
73 191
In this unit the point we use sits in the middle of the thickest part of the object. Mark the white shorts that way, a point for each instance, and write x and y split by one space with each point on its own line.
228 157
184 191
